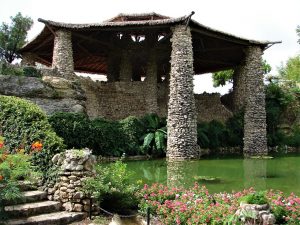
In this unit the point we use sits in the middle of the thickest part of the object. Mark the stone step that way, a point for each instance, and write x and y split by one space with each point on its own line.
29 196
56 218
30 209
26 186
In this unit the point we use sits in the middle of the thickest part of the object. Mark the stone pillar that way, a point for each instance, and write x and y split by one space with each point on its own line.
255 134
28 59
74 166
182 120
151 82
239 88
113 63
125 67
63 53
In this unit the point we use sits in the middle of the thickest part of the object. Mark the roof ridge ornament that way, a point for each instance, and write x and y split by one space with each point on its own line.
188 19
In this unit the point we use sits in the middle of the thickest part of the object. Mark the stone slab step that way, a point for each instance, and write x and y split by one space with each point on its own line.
30 209
26 186
57 218
29 196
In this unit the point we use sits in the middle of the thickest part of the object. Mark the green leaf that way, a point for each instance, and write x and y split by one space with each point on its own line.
159 140
147 140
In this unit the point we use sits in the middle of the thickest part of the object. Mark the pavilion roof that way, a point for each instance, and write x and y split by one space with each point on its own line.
92 42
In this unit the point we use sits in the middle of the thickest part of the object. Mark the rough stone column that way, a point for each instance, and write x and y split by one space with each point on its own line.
255 134
125 67
28 59
63 53
113 67
74 166
151 82
182 120
239 87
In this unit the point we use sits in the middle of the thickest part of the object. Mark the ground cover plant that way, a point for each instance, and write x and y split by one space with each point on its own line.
197 206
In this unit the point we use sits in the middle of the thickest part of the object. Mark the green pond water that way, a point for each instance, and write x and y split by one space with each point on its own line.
279 173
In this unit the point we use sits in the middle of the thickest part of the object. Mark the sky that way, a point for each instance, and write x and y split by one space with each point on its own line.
272 20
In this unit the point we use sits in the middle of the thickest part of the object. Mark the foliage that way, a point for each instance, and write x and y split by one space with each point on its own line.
197 206
17 70
13 36
258 198
107 138
155 139
23 123
13 167
291 70
221 78
214 134
278 100
112 187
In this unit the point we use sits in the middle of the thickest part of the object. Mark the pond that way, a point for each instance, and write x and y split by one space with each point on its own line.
279 173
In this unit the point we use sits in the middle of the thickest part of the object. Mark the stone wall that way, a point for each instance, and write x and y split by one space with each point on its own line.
209 107
118 100
74 166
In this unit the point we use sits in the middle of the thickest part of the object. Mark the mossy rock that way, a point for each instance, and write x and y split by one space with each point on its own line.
207 179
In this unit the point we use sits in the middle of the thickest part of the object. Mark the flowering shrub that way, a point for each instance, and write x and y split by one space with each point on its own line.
197 206
13 167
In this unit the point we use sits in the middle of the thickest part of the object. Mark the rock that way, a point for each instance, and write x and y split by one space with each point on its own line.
79 167
68 206
78 208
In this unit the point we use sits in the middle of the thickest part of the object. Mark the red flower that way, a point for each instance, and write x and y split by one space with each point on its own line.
37 146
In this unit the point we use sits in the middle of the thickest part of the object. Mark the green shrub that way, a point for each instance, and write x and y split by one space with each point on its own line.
30 71
76 129
8 69
112 187
255 198
280 213
155 137
22 123
107 138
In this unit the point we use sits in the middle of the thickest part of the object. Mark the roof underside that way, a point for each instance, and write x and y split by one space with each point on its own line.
95 44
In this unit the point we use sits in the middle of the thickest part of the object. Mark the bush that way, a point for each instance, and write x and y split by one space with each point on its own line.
8 69
23 123
13 167
30 71
107 138
258 198
112 187
76 130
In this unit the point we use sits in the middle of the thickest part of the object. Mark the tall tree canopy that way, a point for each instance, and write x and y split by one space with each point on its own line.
13 36
291 70
226 76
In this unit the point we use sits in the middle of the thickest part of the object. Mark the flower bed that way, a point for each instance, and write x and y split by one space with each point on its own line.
197 206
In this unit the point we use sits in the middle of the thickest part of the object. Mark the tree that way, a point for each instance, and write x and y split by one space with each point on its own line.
291 70
221 78
13 36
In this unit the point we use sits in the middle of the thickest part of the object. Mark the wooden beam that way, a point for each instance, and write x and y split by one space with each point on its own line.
218 49
215 61
43 43
90 39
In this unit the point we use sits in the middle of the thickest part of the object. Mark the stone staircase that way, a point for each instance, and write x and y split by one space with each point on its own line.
34 209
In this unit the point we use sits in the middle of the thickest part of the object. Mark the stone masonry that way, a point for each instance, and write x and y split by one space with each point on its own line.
151 80
239 87
63 53
255 134
125 67
182 121
74 166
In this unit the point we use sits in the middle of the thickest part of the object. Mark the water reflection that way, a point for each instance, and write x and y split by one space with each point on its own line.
255 173
176 171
